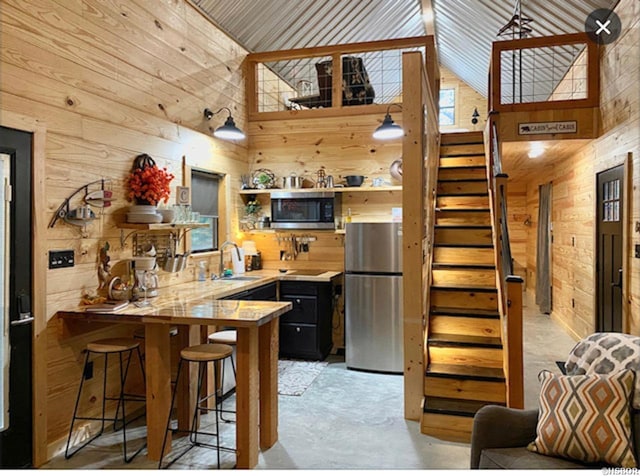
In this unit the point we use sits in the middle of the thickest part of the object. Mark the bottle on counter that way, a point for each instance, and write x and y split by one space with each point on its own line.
348 217
202 271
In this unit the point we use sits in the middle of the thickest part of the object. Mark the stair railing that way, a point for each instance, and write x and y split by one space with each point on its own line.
509 286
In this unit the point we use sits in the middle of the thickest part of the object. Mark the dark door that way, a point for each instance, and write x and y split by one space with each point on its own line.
15 286
609 251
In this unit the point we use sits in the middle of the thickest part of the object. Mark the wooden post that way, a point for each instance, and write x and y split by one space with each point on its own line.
247 398
158 363
269 345
515 369
336 80
413 224
251 86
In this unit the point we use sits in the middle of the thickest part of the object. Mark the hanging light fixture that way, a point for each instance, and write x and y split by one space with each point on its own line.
388 129
228 130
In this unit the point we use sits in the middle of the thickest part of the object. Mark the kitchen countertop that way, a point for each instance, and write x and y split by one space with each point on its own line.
226 287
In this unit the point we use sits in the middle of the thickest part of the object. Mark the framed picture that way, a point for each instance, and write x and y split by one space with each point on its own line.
183 195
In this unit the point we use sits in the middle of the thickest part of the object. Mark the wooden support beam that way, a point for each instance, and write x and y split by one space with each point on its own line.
413 224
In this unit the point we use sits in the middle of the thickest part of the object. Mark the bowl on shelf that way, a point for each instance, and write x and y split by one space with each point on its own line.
354 180
168 214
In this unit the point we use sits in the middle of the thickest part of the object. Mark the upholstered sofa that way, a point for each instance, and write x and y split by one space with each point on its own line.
500 435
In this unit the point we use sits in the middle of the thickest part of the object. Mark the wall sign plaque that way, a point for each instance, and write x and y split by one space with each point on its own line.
561 127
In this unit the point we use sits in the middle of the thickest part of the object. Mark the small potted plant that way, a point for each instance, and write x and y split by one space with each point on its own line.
251 210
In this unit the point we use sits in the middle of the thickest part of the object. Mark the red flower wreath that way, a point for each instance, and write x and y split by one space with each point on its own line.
149 184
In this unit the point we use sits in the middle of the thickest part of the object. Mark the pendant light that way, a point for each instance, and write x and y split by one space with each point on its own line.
388 129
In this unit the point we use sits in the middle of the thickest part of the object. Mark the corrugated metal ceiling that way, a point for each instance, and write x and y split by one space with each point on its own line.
465 29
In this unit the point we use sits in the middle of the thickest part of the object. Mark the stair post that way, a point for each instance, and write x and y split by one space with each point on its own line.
515 368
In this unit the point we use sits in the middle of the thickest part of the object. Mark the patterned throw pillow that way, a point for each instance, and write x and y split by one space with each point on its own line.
606 353
586 418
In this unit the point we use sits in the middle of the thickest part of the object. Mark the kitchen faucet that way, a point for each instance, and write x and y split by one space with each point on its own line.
224 245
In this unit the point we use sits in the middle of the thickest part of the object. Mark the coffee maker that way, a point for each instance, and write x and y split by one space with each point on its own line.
253 259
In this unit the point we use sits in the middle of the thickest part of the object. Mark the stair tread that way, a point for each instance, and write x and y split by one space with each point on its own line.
462 167
479 194
463 210
452 180
453 406
465 372
464 227
462 312
464 287
462 266
462 245
461 340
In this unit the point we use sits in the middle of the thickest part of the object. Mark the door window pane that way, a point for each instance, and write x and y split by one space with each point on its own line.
611 201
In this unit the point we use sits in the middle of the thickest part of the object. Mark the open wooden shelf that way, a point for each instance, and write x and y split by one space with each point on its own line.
160 226
383 188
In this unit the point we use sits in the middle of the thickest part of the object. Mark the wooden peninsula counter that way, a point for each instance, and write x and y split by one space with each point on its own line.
190 306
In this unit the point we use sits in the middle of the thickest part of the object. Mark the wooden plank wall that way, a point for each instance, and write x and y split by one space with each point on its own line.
111 80
467 99
340 146
574 194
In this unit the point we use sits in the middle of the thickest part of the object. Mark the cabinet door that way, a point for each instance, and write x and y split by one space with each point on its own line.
268 292
298 340
238 296
305 309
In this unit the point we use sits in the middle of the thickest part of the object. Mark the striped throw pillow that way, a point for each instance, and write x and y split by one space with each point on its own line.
586 418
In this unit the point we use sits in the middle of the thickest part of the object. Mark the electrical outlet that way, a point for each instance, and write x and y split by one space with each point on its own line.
61 259
88 371
637 255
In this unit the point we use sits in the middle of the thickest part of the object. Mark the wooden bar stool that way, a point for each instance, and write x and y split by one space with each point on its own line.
107 347
228 337
201 354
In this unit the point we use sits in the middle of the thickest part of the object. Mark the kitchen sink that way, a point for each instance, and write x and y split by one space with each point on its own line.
240 278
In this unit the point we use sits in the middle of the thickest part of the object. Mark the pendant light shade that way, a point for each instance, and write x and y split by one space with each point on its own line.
228 130
388 129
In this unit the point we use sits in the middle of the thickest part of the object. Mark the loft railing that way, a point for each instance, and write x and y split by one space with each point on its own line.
355 78
509 286
553 72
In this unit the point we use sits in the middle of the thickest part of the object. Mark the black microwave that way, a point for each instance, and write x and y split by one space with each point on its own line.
305 210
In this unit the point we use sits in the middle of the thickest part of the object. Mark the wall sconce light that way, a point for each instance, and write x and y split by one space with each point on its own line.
388 129
475 116
228 130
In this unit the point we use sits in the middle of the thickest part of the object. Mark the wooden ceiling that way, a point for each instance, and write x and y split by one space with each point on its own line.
520 167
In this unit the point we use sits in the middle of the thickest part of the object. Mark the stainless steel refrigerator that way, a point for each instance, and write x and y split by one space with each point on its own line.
373 297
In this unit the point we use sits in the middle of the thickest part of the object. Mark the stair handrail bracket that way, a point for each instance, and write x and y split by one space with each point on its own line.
509 286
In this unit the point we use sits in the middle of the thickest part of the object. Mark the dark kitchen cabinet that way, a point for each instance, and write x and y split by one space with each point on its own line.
305 331
266 292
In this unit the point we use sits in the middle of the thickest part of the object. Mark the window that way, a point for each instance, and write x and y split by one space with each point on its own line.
447 107
204 200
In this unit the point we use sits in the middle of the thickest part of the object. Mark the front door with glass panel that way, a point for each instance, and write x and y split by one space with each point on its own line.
609 252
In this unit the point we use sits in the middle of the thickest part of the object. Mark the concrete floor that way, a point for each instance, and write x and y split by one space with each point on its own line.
346 420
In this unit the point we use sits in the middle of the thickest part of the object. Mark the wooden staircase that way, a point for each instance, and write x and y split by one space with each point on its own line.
464 345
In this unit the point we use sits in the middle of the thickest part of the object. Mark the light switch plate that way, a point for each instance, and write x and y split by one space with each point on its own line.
61 259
